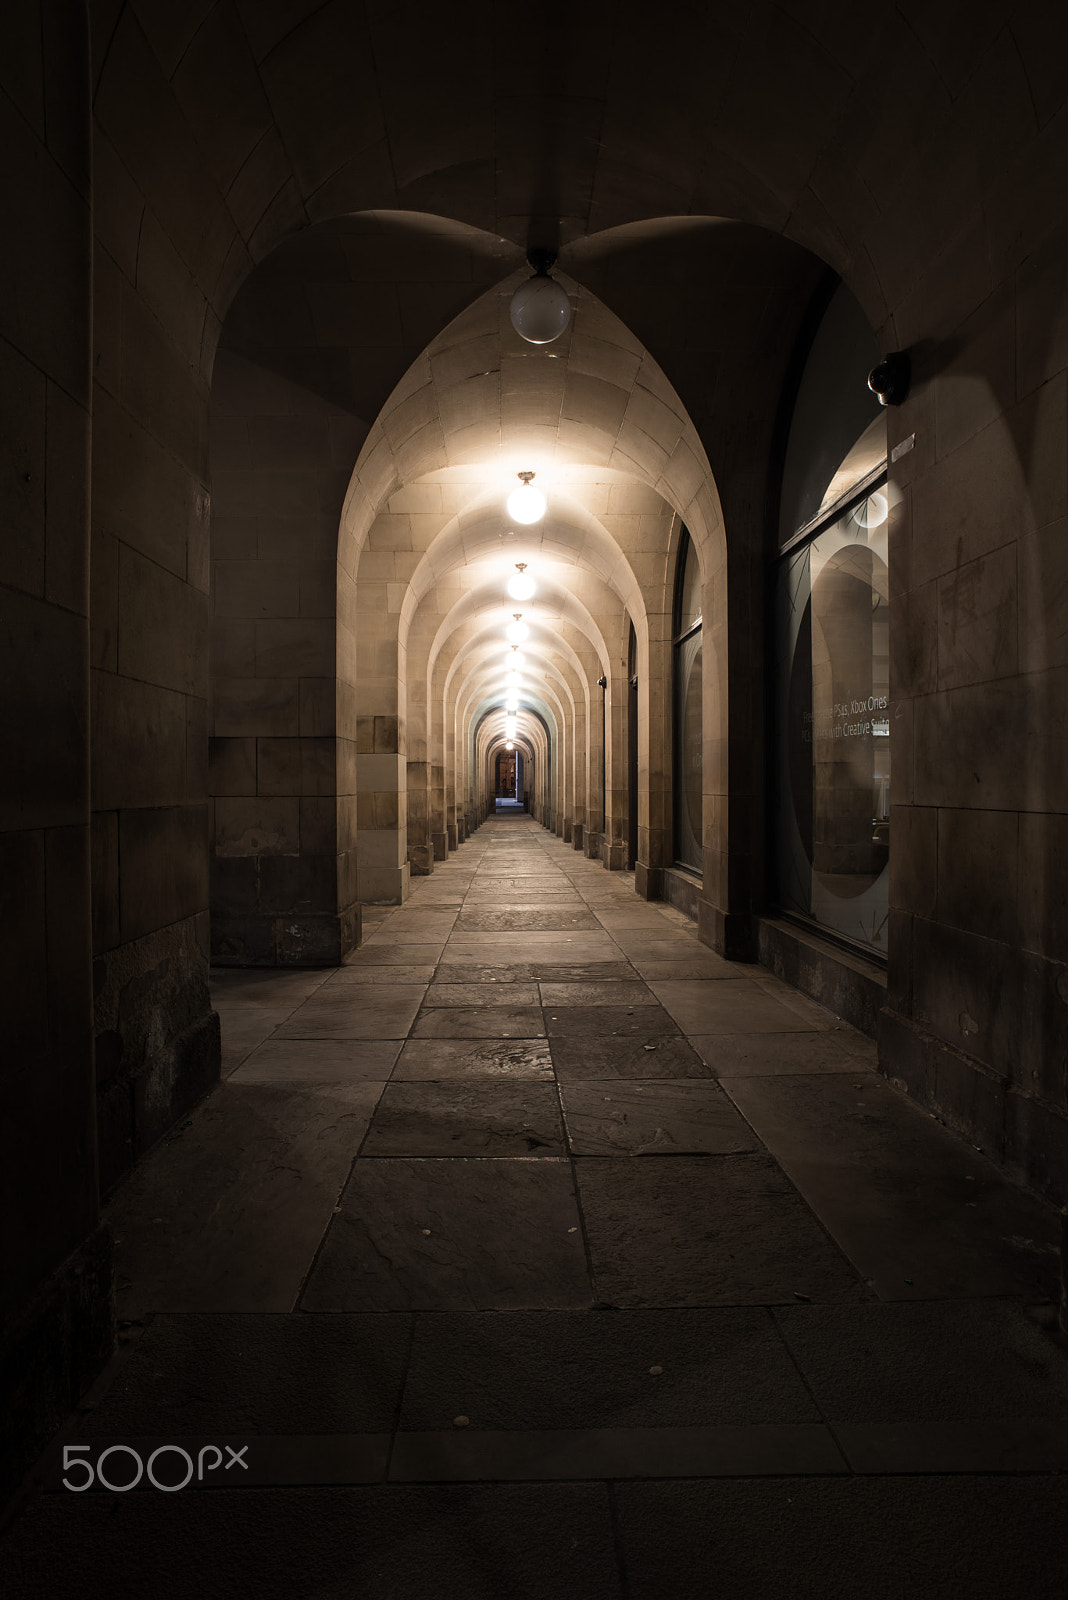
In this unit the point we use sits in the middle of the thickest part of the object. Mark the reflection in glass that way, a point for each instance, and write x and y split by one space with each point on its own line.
833 828
689 728
689 768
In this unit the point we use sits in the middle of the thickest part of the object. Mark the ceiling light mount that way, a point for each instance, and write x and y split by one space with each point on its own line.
521 587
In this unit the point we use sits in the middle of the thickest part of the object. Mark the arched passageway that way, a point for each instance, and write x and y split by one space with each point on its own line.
263 408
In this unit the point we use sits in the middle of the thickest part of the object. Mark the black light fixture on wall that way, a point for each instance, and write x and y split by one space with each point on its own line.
889 381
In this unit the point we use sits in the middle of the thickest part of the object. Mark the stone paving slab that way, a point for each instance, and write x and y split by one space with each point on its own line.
524 920
594 1369
259 985
319 1061
395 955
706 1230
474 972
469 1117
940 1361
423 1059
589 1056
769 1055
257 1374
255 1163
744 1007
383 1542
553 946
382 1011
649 1022
601 993
459 1235
505 1021
656 1118
938 1221
839 1538
596 972
344 977
615 1453
243 1027
693 961
482 994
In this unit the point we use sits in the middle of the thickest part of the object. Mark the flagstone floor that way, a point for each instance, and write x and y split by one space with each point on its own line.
539 1252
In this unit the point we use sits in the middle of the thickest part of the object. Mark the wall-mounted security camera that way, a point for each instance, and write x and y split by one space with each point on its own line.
889 381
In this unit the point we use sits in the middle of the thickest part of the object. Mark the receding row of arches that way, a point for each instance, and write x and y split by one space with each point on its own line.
362 691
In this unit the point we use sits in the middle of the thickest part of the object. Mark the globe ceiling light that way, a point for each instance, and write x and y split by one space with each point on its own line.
511 704
872 512
521 587
517 630
513 680
525 505
509 747
540 309
515 659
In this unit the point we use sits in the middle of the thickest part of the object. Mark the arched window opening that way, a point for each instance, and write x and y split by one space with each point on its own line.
688 787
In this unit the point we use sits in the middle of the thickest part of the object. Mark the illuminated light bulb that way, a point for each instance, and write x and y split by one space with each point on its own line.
515 659
509 747
511 705
540 309
872 512
526 505
513 680
521 587
517 631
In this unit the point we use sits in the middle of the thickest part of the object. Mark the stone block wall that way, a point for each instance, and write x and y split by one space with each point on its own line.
56 1306
278 453
977 1015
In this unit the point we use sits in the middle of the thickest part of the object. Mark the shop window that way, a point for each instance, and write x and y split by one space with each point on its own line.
831 758
689 732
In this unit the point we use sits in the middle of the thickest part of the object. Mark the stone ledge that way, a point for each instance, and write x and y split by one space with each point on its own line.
854 989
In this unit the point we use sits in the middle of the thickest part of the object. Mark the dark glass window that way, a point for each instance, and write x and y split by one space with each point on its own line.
688 786
832 683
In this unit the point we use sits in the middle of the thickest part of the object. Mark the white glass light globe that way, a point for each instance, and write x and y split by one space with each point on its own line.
516 660
512 680
521 587
872 512
540 310
517 632
508 747
511 705
526 505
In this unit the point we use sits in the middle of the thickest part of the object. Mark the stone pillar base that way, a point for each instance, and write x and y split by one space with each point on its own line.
731 934
385 886
567 830
452 835
461 830
647 881
576 836
440 842
593 846
305 939
614 855
420 860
